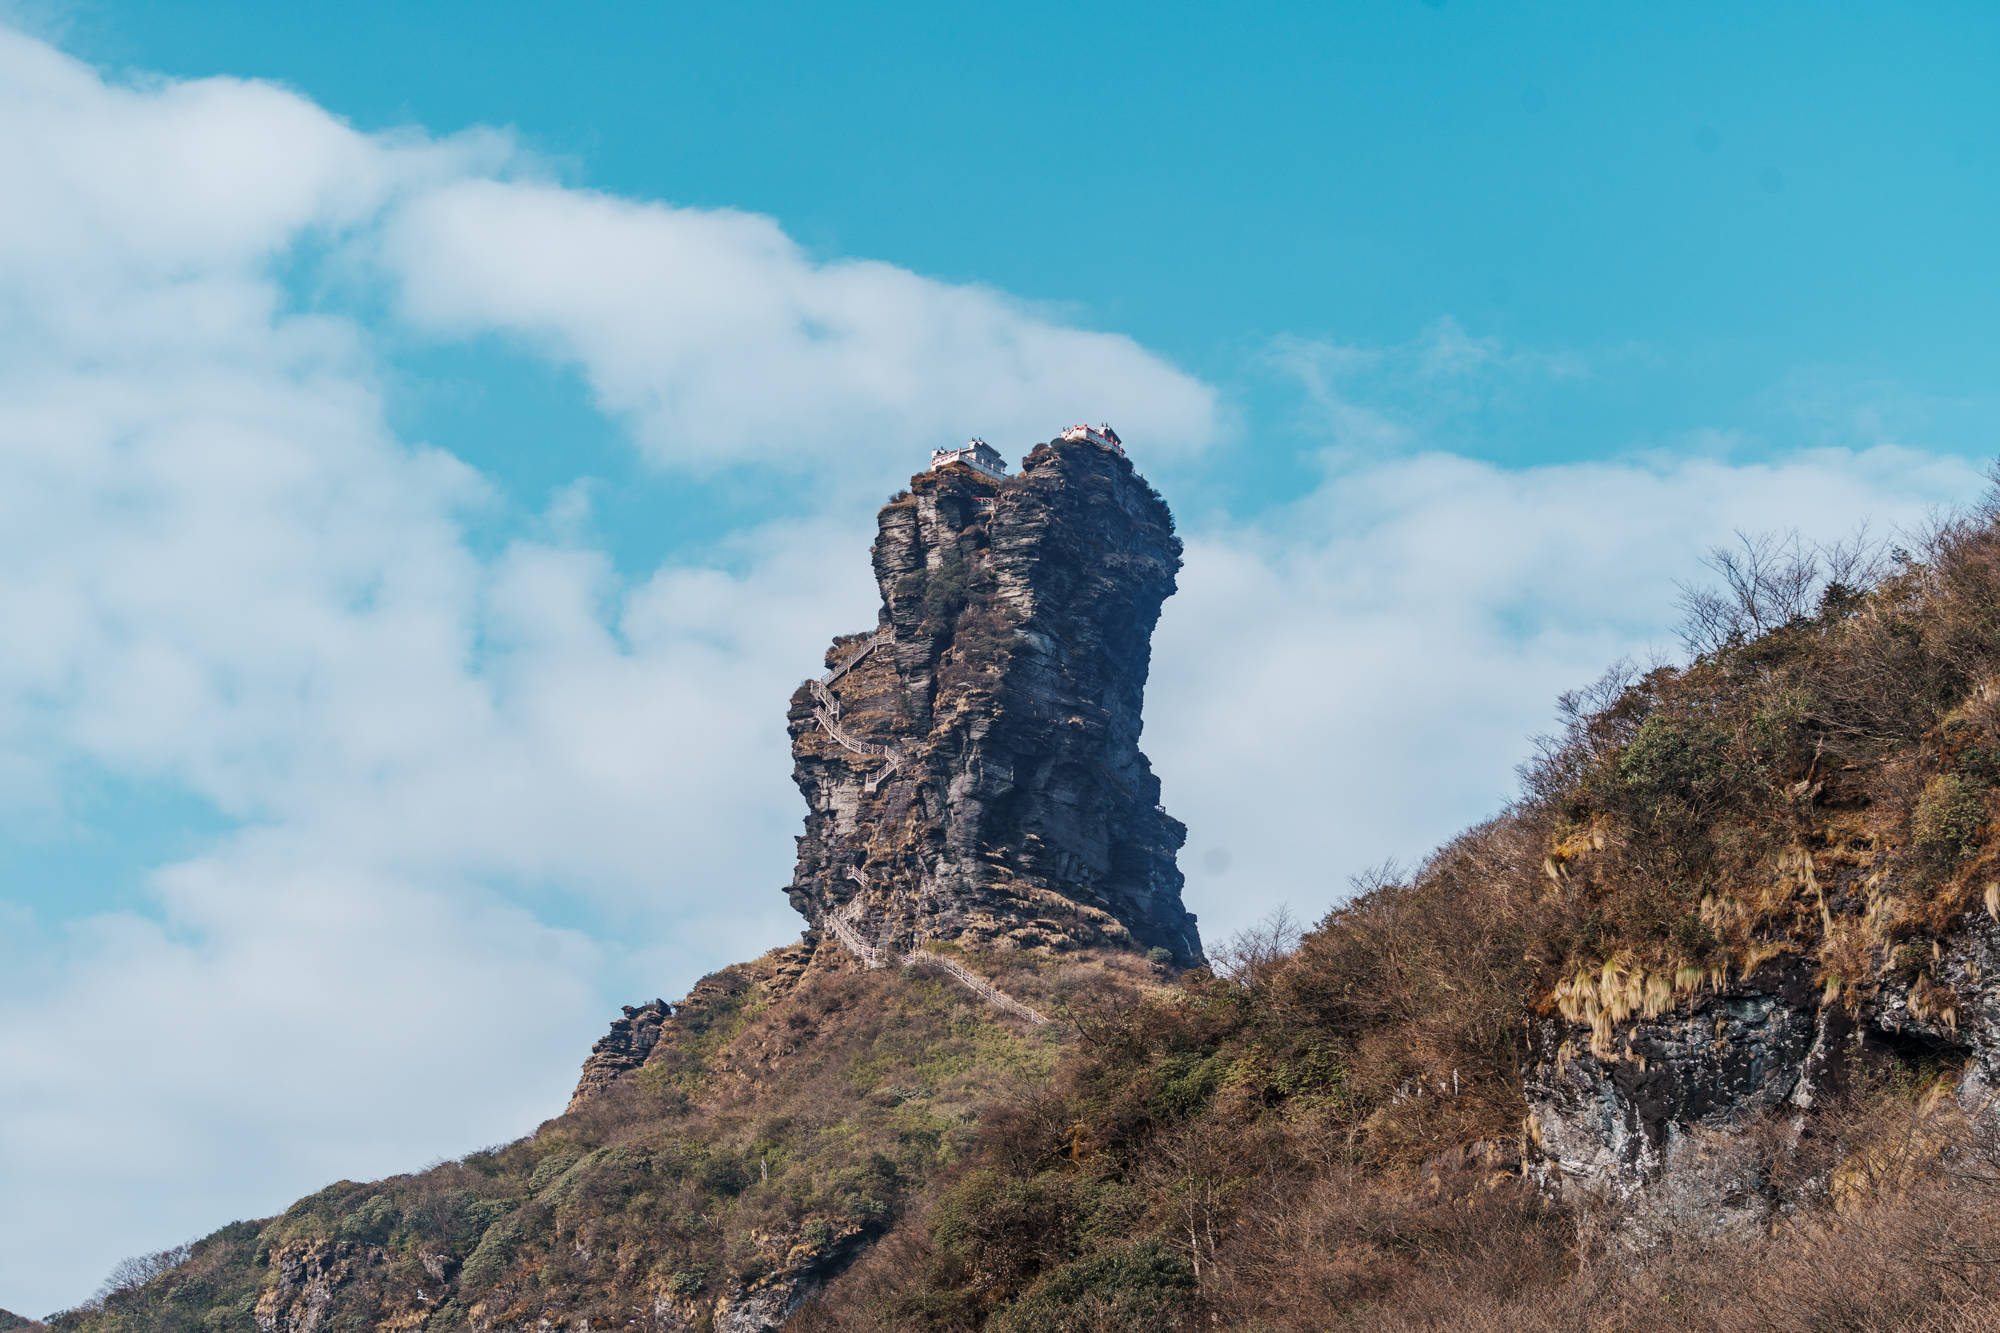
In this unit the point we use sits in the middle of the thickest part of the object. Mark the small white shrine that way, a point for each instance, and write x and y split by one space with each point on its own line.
978 455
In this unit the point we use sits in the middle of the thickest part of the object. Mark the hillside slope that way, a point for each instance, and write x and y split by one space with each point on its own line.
1700 1033
790 1110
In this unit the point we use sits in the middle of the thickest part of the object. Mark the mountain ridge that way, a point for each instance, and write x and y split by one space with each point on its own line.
1701 1032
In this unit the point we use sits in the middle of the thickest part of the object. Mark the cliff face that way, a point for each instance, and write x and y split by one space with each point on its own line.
971 765
1655 1123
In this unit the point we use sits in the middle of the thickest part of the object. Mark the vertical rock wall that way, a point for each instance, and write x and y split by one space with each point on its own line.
975 776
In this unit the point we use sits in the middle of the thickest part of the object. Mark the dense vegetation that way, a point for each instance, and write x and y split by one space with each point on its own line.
785 1122
1326 1130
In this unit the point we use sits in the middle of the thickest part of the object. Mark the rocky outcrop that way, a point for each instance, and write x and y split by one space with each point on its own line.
638 1035
1655 1123
1662 1106
314 1289
971 763
800 1265
308 1282
623 1049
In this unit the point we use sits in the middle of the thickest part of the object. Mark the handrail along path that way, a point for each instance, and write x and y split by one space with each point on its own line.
872 957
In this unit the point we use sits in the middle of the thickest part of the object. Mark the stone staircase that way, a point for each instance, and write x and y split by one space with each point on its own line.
975 983
827 711
872 958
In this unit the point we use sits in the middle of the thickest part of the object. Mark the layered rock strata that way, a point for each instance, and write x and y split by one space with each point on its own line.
971 763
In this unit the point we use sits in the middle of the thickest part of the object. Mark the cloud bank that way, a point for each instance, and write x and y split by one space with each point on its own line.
717 338
1353 678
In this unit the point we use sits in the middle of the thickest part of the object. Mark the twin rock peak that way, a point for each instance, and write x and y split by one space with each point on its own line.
971 763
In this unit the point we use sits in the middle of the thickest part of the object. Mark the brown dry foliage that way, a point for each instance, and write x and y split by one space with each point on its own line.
1326 1133
1325 1136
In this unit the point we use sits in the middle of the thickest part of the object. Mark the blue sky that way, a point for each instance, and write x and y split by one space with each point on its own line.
438 438
1732 201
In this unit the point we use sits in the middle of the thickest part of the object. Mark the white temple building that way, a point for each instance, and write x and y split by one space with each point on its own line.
977 454
1102 435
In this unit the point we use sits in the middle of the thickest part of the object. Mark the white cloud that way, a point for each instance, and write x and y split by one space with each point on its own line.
716 337
1353 678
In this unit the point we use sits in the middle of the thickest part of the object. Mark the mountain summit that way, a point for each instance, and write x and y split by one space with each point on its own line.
1703 1031
971 765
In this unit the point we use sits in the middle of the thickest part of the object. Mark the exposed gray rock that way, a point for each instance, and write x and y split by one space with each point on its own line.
1657 1127
1958 1018
1609 1126
309 1277
765 1306
975 775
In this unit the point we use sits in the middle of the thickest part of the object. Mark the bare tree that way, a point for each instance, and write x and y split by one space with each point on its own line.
1770 580
1588 729
131 1274
1250 954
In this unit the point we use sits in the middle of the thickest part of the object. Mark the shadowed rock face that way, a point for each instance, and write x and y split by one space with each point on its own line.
1653 1124
1003 681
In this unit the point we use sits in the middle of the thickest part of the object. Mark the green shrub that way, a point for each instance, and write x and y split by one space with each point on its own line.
1948 817
1139 1289
1676 764
1780 733
723 1173
1004 1228
1314 1073
489 1260
371 1222
1186 1082
1691 939
1980 764
550 1169
1910 957
945 589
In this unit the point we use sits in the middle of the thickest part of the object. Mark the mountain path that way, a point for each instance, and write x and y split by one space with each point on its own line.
873 957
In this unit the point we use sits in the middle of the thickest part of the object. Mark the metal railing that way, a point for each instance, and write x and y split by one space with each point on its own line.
828 710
